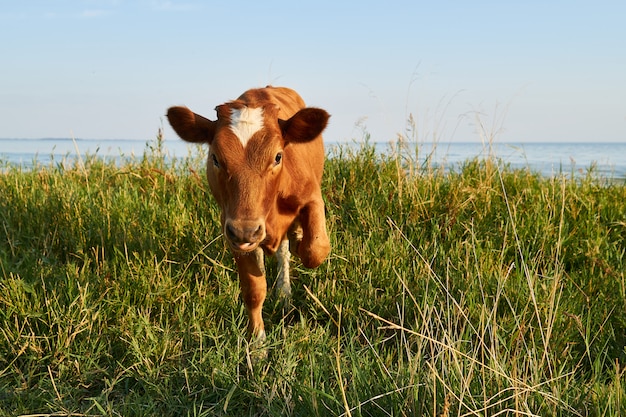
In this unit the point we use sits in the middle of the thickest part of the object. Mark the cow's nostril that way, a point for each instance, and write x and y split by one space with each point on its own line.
231 233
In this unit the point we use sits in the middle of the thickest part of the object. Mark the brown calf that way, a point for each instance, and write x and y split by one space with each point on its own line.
265 163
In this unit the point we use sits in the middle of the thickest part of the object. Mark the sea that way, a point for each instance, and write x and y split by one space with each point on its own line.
602 160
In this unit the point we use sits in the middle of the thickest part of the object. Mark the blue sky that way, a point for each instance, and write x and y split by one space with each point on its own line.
524 71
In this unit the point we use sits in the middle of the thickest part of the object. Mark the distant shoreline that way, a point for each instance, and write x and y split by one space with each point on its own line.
604 159
340 142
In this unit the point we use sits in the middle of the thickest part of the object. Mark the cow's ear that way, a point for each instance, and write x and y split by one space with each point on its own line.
305 125
190 126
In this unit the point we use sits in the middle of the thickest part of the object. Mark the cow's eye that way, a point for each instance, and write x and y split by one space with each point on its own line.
215 161
279 157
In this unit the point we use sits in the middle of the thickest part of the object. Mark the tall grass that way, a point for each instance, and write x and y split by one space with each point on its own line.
475 291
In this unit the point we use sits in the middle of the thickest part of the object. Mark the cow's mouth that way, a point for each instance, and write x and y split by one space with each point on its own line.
244 247
244 235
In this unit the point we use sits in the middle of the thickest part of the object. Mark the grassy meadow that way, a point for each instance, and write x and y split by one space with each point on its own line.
478 291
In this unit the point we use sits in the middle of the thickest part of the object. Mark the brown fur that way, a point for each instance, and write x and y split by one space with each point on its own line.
261 200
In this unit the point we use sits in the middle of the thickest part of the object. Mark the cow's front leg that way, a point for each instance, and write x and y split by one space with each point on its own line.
283 283
253 290
314 245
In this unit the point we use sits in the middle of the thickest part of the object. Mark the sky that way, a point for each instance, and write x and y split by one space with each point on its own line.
444 71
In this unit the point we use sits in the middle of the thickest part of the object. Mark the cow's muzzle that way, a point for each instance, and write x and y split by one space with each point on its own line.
244 235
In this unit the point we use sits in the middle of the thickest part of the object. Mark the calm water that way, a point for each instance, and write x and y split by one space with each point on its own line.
607 160
604 159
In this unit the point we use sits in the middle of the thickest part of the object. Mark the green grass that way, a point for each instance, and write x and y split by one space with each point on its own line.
482 291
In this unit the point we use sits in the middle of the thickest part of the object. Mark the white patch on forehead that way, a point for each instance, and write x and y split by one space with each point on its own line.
245 122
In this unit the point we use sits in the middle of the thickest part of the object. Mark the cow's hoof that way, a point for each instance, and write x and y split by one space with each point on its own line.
257 351
283 293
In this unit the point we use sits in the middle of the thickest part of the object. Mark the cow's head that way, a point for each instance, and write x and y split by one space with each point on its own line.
247 155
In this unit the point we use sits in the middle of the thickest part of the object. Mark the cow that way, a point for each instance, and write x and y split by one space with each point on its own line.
264 168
